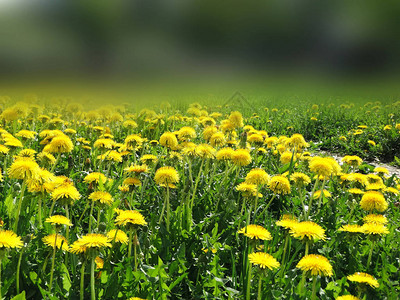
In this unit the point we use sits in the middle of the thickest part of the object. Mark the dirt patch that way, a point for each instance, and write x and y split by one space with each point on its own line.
392 170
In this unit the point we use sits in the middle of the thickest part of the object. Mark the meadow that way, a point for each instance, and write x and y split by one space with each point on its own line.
232 199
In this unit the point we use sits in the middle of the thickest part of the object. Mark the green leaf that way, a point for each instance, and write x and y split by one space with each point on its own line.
19 296
179 279
9 203
66 280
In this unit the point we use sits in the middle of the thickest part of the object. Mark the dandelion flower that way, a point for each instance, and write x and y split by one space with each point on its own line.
58 220
166 176
351 228
129 217
168 139
225 153
89 241
205 151
241 157
375 229
315 265
374 218
137 169
381 170
347 297
309 230
264 260
23 169
8 239
65 192
352 160
257 176
95 177
325 193
373 200
118 236
247 189
50 240
102 197
99 262
365 278
280 185
236 119
321 166
287 222
300 179
60 144
256 232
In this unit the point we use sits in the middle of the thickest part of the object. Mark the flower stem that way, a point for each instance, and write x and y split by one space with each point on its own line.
311 197
284 254
40 209
130 242
52 263
321 194
90 217
135 248
370 254
19 206
18 269
168 208
82 290
259 294
314 288
92 290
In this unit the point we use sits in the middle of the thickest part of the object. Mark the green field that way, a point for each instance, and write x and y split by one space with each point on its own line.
159 190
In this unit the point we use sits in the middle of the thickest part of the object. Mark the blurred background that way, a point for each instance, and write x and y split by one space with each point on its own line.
147 40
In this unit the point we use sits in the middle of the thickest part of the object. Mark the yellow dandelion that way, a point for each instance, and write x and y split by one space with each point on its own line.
351 228
315 265
321 166
279 184
352 160
241 157
373 200
60 144
129 217
375 229
248 189
23 169
374 218
256 232
90 241
308 230
137 169
168 139
132 181
325 193
56 240
99 262
257 176
287 222
118 236
166 175
365 278
58 220
9 239
300 179
95 177
65 192
236 119
225 153
347 297
102 197
263 260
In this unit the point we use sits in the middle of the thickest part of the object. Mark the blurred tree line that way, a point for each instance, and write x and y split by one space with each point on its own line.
128 37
